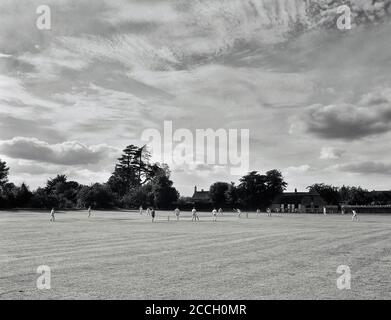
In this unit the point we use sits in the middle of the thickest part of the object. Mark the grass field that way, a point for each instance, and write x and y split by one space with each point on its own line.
122 255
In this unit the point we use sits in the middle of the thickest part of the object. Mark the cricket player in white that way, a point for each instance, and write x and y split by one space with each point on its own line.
194 215
89 211
214 214
355 216
221 211
239 213
52 218
258 212
177 213
269 212
141 209
324 211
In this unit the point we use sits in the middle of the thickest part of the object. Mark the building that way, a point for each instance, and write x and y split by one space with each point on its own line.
305 202
200 197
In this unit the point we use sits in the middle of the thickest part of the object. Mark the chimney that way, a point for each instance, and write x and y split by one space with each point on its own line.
295 190
195 189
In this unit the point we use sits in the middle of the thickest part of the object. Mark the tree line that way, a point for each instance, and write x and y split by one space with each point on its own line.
257 191
350 195
135 181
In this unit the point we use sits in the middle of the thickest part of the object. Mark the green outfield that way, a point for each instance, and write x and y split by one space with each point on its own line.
122 255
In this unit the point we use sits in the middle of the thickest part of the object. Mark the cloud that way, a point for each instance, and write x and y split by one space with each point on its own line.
370 116
297 170
12 89
50 62
367 167
37 173
32 167
11 126
221 86
67 153
331 153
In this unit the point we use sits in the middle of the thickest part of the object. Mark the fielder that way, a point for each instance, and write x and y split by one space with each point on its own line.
52 218
214 214
355 216
89 211
177 213
194 215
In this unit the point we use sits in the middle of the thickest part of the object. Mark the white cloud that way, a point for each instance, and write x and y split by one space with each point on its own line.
331 153
297 170
49 63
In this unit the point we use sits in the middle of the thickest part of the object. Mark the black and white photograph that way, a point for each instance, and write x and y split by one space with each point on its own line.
195 150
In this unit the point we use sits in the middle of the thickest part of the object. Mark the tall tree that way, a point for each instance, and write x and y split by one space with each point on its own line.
164 194
329 193
62 192
132 170
251 188
4 170
98 196
275 185
7 195
231 196
23 196
258 191
217 193
53 183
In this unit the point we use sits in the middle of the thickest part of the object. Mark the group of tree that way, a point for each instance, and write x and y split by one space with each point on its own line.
138 182
350 195
254 190
257 191
135 181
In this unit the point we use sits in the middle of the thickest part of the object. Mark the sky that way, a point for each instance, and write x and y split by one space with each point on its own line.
315 99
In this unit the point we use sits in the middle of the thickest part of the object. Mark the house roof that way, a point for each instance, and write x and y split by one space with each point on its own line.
201 195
